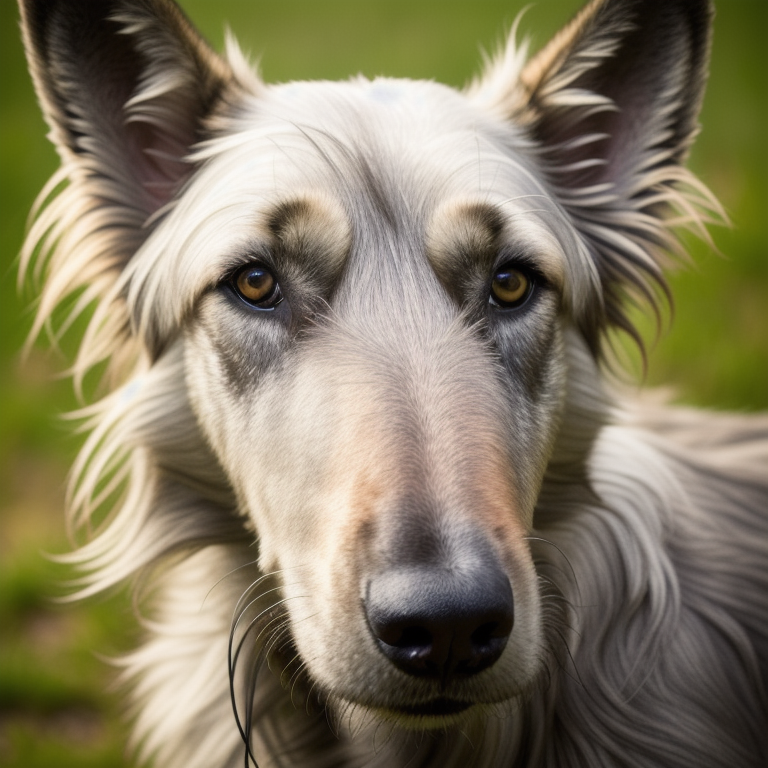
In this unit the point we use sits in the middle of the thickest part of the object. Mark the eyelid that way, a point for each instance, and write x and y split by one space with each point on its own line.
522 262
238 261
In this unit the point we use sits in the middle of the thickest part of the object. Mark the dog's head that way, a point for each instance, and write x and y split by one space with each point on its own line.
383 293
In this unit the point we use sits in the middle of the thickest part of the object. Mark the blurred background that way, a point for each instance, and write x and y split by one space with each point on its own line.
56 702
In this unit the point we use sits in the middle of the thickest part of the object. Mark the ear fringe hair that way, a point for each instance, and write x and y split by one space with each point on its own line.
632 248
144 448
75 243
633 233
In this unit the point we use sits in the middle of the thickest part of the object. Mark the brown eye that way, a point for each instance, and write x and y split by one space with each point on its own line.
256 285
510 287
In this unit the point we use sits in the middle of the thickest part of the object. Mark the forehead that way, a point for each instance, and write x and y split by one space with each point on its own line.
411 161
411 142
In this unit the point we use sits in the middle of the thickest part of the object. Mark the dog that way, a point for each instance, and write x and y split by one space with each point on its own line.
362 449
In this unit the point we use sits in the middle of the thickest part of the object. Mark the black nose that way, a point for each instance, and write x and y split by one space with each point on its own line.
440 623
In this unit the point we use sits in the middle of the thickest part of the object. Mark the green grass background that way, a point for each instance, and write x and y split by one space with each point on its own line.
56 708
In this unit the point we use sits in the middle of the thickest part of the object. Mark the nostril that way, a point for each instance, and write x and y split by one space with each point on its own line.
411 648
487 633
412 637
390 631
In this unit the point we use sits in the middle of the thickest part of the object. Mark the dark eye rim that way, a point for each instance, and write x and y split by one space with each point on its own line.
268 304
534 283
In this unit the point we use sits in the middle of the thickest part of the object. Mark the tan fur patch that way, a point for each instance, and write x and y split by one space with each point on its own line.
312 227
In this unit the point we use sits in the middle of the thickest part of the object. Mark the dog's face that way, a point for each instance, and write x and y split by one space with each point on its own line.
374 349
371 284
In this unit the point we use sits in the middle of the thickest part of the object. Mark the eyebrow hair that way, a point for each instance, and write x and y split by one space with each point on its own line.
311 232
464 235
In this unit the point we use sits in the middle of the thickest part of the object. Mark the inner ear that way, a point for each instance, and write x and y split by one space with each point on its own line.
126 87
619 90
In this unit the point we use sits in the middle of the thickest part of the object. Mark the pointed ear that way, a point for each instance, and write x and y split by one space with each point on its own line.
127 88
611 104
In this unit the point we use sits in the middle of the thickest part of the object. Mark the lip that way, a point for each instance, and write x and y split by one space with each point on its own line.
441 707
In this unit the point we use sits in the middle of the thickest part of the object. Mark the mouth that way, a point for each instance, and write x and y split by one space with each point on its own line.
437 708
431 714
